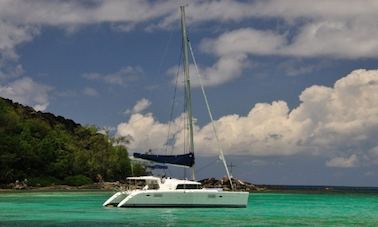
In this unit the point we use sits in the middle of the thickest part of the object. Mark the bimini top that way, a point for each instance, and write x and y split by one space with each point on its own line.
143 178
180 160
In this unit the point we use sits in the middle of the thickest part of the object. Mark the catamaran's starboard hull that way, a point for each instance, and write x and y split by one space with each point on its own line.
116 199
185 198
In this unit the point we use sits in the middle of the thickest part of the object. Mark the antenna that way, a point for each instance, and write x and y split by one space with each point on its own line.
231 166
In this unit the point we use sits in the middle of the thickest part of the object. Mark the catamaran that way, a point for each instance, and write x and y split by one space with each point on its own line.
151 191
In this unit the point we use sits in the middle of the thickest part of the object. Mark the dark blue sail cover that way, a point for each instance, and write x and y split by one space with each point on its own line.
157 167
182 160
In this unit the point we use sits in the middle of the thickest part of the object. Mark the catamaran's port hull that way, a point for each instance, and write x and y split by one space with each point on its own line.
185 198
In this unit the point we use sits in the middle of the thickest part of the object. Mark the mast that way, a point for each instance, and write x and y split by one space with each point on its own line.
188 94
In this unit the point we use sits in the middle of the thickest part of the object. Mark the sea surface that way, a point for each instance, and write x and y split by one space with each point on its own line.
264 209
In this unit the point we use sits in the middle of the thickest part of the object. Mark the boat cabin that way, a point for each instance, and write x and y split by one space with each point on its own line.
164 183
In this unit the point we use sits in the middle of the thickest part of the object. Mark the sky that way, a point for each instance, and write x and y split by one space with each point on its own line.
292 84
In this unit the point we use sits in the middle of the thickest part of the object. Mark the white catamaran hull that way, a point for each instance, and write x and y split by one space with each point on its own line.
185 198
116 198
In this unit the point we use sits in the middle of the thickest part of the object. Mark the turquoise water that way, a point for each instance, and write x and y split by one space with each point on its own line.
264 209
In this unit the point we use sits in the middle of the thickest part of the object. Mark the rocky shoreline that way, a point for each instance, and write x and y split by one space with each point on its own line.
223 183
104 186
239 185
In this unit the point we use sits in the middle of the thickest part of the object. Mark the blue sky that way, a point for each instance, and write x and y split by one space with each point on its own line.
292 84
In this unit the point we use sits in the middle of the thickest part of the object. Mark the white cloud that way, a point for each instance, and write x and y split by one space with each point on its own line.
28 92
374 151
61 13
316 31
90 91
333 9
146 132
338 121
325 38
225 69
294 67
139 107
123 77
343 162
232 50
327 28
9 70
317 38
338 39
257 162
11 35
245 40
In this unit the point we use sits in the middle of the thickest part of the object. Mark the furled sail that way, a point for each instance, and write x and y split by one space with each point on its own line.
157 166
181 160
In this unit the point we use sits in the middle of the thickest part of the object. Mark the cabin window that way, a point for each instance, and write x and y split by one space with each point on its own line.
188 186
142 184
153 186
135 184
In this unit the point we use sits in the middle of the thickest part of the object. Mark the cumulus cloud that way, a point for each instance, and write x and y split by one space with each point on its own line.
28 92
139 107
338 121
148 133
343 162
123 77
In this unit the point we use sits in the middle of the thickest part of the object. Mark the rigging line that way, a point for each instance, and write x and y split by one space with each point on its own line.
185 134
186 121
173 104
207 165
165 51
211 117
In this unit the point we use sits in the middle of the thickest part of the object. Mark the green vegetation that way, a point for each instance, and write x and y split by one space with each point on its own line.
43 181
77 180
48 149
